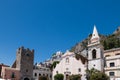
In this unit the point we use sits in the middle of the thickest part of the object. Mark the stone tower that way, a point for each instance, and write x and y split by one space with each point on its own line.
95 52
24 62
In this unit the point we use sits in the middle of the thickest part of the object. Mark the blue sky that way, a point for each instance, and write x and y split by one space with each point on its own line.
48 26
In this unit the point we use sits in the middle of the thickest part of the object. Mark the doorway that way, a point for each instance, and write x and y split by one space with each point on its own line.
67 77
26 79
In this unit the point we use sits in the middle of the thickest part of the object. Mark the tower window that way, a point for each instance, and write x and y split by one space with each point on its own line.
27 55
94 54
13 75
26 70
112 64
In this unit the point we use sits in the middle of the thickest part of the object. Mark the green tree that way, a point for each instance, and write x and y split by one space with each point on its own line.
54 64
75 77
59 77
97 75
105 45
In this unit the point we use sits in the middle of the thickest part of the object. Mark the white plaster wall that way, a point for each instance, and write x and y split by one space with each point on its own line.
72 66
117 65
116 61
49 73
98 64
110 61
116 74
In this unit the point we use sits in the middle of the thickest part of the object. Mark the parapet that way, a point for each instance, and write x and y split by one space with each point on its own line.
22 49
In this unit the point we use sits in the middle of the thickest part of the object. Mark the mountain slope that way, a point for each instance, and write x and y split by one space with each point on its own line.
108 42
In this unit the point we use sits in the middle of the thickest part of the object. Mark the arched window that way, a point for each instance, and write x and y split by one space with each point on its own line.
67 60
35 74
94 54
13 75
39 74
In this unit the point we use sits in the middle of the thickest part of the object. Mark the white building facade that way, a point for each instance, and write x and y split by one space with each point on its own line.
57 56
42 70
70 65
112 67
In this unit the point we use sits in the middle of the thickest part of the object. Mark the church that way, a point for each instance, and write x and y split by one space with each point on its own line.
70 65
107 61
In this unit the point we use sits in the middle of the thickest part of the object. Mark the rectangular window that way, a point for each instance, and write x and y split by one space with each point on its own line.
112 64
79 70
67 60
56 72
67 68
111 73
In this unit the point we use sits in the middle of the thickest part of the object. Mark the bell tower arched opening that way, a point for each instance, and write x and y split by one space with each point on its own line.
94 54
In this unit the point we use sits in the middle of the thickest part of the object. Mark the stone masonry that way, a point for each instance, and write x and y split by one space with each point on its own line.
24 62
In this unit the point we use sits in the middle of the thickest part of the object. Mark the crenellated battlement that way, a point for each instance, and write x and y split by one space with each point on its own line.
25 50
24 62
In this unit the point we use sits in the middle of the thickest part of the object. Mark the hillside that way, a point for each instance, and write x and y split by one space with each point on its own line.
108 42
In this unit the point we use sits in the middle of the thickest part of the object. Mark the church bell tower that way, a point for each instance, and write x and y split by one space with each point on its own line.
95 52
